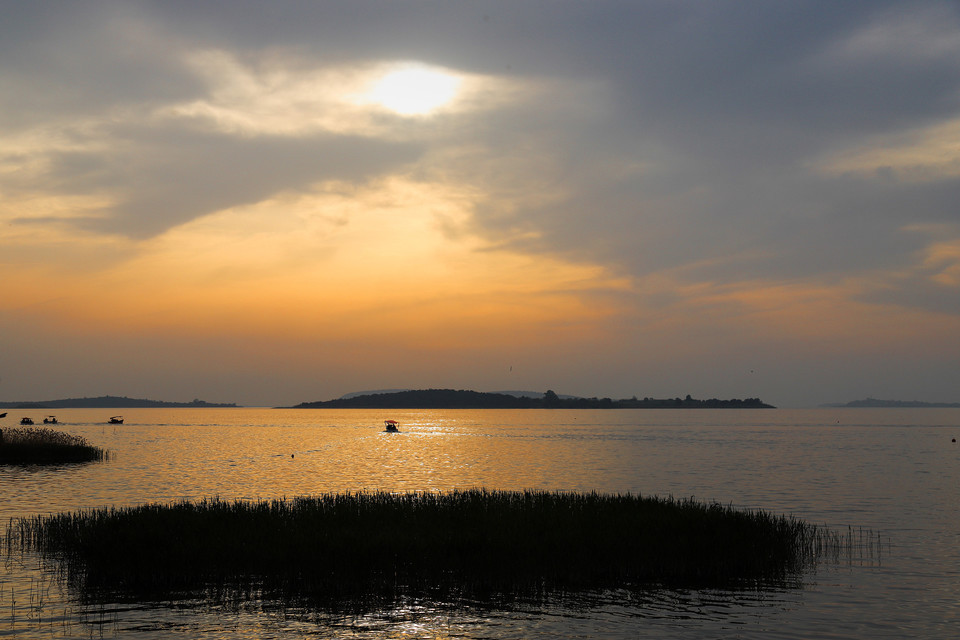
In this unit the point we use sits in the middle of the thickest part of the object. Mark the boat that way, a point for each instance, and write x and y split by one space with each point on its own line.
50 420
115 420
391 426
26 421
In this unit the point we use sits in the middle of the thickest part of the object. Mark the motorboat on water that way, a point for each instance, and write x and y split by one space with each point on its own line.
26 421
50 420
391 426
115 420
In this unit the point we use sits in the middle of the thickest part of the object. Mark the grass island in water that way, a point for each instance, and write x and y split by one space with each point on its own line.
463 544
45 446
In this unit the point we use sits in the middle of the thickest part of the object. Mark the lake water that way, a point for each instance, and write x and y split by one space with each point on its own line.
894 473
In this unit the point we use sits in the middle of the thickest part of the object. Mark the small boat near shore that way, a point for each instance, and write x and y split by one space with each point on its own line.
115 420
26 421
391 426
50 420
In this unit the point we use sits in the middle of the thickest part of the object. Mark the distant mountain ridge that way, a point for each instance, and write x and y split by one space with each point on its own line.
465 399
109 402
893 404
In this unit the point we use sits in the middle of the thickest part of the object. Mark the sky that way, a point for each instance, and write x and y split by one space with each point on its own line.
274 203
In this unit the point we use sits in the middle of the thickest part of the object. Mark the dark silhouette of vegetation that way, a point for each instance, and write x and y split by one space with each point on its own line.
45 446
427 399
551 399
453 399
692 403
109 402
474 544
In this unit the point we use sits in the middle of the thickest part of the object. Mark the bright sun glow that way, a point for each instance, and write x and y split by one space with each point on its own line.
414 91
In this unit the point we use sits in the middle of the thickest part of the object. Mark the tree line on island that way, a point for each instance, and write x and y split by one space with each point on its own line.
419 399
465 399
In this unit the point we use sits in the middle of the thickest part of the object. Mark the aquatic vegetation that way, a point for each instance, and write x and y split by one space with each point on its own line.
470 544
45 446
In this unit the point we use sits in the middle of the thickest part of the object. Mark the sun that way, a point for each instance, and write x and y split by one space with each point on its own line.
415 90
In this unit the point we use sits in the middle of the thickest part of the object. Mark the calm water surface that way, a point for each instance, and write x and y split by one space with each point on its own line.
894 473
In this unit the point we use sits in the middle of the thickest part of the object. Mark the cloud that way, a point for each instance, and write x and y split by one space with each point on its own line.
255 124
905 35
707 154
153 177
928 154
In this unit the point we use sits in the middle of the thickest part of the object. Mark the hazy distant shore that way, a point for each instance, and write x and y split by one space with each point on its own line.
107 402
873 403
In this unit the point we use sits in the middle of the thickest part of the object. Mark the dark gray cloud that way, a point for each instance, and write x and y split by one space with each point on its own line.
164 177
727 109
80 59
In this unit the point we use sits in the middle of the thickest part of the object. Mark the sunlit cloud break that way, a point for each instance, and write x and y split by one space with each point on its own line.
285 96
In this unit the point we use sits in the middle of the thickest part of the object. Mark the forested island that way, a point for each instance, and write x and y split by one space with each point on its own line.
464 399
108 402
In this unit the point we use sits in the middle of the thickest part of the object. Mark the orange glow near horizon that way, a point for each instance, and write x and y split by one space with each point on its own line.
427 295
372 266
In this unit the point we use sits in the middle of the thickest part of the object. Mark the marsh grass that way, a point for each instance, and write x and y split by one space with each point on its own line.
45 446
476 544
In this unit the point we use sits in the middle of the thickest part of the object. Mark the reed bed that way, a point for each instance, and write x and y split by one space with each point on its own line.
36 445
463 544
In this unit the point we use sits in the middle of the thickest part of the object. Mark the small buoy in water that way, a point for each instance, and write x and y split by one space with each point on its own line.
953 440
291 455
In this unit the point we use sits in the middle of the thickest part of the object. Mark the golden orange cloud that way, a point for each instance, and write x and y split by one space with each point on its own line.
342 262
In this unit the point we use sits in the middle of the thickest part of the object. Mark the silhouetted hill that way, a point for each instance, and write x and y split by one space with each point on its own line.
519 394
454 399
108 402
873 403
355 394
424 399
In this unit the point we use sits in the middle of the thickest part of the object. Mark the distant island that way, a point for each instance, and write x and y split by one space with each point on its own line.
873 403
526 394
462 399
108 402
